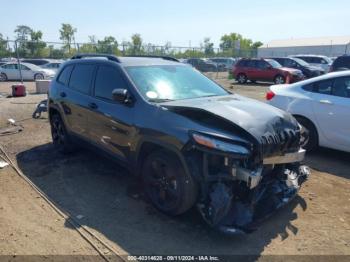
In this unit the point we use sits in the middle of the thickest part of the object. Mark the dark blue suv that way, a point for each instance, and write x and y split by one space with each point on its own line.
191 142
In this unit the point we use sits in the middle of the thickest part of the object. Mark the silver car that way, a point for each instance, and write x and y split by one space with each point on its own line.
10 71
321 61
52 65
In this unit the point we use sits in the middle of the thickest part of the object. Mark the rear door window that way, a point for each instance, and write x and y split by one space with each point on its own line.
261 65
108 78
64 76
323 87
81 77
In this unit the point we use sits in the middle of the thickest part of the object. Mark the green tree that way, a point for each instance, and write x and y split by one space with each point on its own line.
4 50
67 33
36 46
22 35
208 47
108 45
257 44
136 44
236 44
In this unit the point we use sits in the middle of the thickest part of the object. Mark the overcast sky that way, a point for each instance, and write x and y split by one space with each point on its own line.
179 21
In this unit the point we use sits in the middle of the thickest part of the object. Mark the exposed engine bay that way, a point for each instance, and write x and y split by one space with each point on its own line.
237 193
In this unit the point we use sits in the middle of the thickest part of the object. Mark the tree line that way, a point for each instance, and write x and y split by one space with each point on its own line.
30 44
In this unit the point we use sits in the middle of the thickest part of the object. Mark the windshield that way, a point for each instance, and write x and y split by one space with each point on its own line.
273 63
300 62
172 82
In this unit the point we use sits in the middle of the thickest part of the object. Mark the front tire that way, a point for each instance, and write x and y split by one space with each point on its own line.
3 77
312 141
167 185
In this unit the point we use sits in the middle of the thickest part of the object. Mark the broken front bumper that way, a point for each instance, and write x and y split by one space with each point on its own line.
235 205
287 158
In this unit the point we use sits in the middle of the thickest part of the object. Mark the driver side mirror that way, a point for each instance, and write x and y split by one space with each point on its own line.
121 96
269 67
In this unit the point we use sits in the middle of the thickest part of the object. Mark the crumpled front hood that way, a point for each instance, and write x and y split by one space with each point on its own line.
257 118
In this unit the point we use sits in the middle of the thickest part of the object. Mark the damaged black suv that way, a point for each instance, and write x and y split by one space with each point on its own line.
190 141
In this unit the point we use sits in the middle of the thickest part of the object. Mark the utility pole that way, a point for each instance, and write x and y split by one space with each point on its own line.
18 62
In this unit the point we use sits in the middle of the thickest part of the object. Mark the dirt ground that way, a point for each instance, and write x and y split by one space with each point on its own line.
104 198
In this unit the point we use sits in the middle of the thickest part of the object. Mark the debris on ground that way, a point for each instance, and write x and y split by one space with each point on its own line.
3 164
13 129
41 107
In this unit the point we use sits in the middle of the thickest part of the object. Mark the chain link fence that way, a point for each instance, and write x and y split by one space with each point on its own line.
59 50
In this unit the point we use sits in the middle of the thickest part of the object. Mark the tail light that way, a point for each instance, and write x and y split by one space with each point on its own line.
270 95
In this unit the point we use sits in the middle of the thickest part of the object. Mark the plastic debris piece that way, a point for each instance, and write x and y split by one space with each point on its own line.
3 164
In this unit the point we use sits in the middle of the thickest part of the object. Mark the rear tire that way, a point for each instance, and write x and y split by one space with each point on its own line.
3 77
60 137
167 185
279 79
312 142
241 78
38 77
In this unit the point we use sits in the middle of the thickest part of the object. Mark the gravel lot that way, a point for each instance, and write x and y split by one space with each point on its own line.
108 201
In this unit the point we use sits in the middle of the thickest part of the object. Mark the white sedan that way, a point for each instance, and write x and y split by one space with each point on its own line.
321 105
10 71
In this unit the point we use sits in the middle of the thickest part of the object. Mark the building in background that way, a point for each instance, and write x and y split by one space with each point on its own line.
329 46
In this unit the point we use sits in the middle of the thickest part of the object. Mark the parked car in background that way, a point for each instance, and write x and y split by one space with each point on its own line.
227 62
202 65
10 71
52 65
321 61
341 63
268 70
297 63
321 105
36 61
190 141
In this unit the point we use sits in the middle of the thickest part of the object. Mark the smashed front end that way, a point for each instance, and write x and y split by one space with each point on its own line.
242 182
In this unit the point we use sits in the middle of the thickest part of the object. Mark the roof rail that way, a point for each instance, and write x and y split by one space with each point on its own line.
109 57
156 56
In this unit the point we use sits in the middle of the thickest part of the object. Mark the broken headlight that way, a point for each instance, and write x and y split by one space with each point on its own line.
214 143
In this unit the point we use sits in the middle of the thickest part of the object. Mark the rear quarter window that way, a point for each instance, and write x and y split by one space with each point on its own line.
63 78
308 87
81 78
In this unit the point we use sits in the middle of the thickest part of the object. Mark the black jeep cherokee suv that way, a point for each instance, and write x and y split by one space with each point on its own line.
190 141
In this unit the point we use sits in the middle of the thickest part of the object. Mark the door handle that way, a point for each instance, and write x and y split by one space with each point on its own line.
323 101
93 105
63 94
